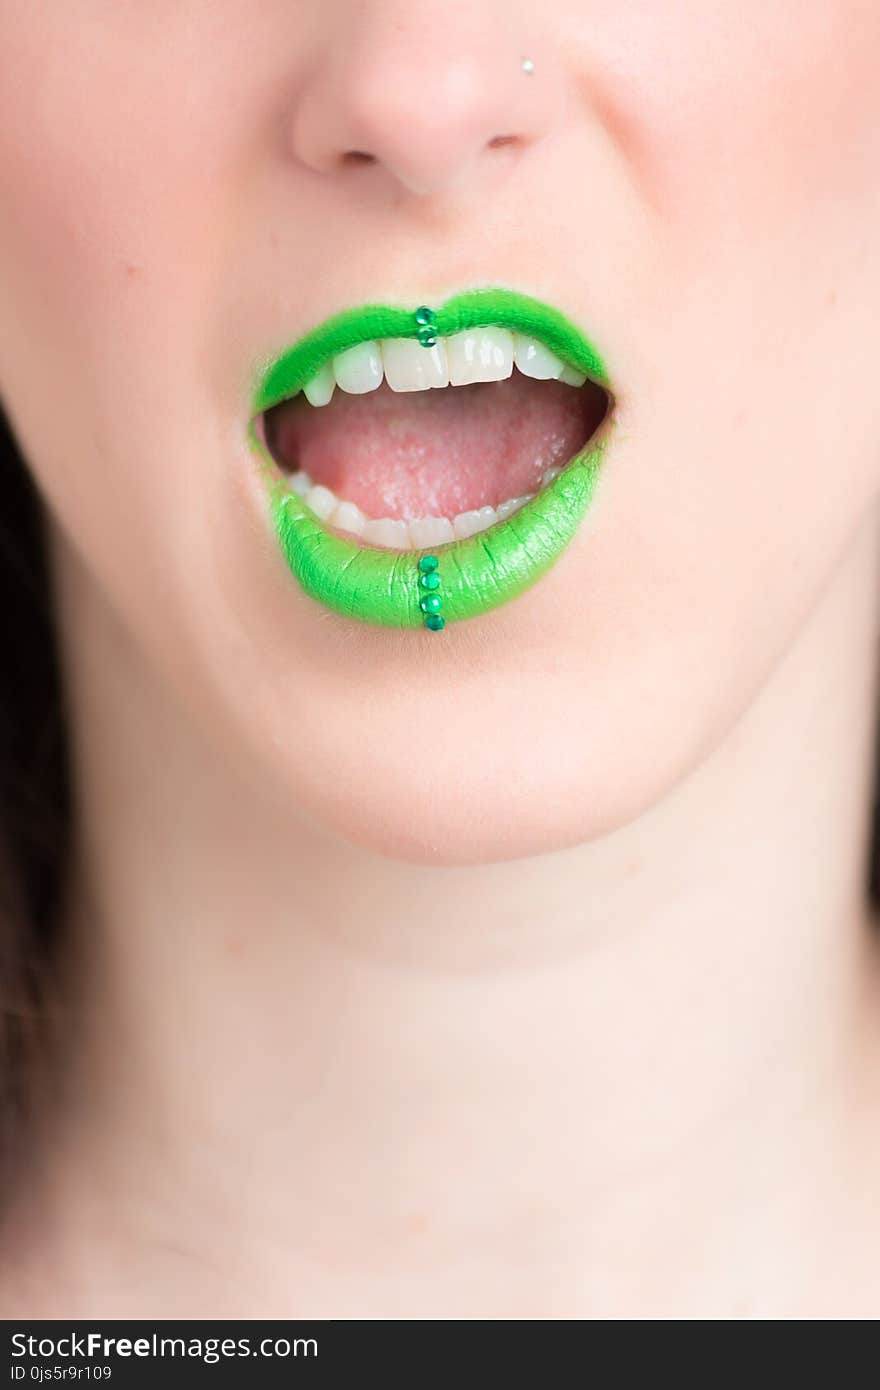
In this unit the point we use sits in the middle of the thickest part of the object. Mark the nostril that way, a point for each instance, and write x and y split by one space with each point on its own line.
498 141
357 157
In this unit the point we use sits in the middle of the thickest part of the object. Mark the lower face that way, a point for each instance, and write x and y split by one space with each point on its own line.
709 212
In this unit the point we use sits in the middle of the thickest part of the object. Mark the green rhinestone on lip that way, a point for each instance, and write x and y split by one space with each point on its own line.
431 603
426 320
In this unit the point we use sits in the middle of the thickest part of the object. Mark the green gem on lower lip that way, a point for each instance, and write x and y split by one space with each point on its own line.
431 603
480 574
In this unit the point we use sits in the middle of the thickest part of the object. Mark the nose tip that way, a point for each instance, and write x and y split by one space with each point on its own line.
425 114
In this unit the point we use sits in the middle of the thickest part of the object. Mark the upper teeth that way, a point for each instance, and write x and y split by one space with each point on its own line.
478 354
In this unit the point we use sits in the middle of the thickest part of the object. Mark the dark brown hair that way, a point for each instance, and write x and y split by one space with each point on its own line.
35 818
34 794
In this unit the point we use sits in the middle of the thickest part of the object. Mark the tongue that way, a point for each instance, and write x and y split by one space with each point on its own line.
432 453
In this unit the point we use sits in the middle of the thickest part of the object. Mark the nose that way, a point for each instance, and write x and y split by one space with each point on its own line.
429 93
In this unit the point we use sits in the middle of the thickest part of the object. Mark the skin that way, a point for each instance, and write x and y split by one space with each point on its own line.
571 907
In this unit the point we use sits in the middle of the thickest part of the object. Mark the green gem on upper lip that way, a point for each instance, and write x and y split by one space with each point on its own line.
292 368
427 322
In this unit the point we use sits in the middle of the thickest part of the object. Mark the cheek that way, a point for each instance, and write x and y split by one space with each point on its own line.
111 247
770 96
754 136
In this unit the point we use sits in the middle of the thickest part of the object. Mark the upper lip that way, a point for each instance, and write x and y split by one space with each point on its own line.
283 376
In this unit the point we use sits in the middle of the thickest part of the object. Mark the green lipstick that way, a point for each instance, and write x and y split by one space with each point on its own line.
463 578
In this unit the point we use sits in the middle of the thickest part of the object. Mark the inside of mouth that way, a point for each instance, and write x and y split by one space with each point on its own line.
446 454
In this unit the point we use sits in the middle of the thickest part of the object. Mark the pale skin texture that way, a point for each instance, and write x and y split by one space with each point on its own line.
526 973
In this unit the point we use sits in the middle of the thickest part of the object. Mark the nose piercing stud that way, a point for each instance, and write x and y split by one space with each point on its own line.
527 66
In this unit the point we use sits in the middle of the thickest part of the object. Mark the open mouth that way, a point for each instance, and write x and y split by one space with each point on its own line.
402 446
473 432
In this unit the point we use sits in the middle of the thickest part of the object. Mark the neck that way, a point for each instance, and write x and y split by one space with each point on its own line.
610 1078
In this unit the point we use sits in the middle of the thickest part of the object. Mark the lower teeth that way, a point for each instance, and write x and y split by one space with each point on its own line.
415 534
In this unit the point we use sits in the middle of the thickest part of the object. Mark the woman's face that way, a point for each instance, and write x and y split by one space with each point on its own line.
694 183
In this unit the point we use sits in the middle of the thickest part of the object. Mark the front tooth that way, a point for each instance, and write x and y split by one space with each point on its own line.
469 523
300 482
349 517
535 360
359 368
572 377
430 530
321 500
319 391
410 367
479 354
512 505
386 531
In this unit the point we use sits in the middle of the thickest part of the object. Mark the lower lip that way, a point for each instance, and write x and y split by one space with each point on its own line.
387 587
